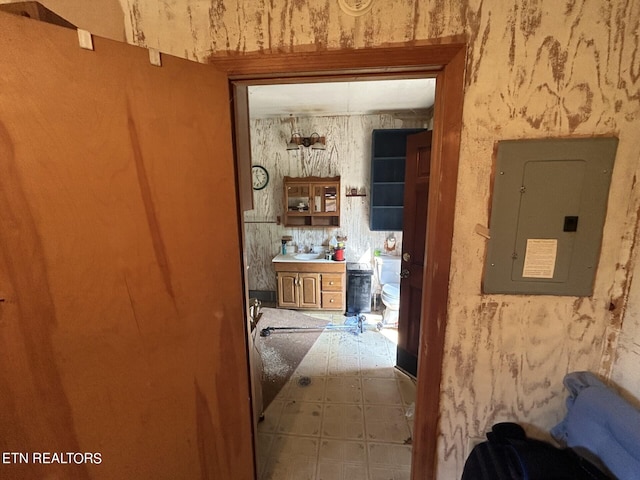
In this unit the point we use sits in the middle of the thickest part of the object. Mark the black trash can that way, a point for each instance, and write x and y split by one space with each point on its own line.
358 288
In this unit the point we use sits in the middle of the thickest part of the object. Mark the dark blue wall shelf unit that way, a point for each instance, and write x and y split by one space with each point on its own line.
388 155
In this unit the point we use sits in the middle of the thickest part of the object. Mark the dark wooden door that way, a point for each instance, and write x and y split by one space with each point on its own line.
416 200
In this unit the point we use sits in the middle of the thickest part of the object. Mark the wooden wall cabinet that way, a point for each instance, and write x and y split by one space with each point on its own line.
312 202
311 286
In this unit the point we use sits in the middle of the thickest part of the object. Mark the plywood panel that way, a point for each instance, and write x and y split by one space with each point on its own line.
122 330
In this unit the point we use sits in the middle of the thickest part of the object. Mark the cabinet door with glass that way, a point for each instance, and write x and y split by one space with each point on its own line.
312 202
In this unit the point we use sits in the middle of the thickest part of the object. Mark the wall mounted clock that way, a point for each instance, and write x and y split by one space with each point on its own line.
355 8
260 177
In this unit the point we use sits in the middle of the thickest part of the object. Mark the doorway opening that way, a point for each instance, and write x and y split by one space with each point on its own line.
363 126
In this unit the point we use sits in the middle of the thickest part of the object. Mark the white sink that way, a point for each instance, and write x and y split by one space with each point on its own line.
307 256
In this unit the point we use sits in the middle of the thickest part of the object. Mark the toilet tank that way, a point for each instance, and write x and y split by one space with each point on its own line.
389 269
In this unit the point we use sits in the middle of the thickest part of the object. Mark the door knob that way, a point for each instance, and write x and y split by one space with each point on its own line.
404 273
406 257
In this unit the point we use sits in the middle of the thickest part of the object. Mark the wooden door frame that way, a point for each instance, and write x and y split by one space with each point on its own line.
446 57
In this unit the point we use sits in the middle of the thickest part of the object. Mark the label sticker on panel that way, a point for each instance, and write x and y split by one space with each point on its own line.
540 258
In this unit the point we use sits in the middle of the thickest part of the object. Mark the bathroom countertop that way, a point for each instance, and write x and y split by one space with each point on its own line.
290 258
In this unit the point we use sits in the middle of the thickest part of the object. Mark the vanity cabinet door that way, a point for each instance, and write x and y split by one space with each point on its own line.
287 290
309 286
299 290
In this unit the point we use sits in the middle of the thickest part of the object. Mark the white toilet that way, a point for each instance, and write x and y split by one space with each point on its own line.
389 276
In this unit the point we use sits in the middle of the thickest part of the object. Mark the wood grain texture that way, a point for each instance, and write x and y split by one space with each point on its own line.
534 69
120 317
508 354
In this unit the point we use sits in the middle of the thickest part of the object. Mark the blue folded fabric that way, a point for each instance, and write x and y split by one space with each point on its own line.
601 426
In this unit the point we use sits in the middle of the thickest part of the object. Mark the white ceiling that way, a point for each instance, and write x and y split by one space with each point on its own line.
341 98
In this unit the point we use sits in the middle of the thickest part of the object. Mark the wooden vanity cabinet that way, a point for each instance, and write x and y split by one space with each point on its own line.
299 290
311 286
312 201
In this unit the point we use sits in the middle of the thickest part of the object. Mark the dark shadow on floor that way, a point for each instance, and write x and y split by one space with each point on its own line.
282 351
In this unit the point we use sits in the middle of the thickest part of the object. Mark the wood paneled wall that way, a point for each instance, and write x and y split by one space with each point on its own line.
348 154
534 69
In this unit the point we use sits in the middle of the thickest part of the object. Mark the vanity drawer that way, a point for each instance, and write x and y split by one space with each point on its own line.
332 300
332 282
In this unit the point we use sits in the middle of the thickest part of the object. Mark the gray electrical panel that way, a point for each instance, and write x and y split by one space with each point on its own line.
547 215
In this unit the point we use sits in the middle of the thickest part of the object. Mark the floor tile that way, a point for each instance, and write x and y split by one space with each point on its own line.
300 418
344 366
407 388
305 388
343 390
388 455
346 342
328 470
343 421
382 351
313 365
377 344
349 423
342 451
394 473
339 459
272 416
377 366
292 458
381 391
321 348
385 423
263 447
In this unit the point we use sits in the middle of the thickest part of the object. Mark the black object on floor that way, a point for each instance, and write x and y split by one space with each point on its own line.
358 288
357 326
510 455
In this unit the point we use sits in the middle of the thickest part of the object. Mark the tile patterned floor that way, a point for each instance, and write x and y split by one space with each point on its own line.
349 423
